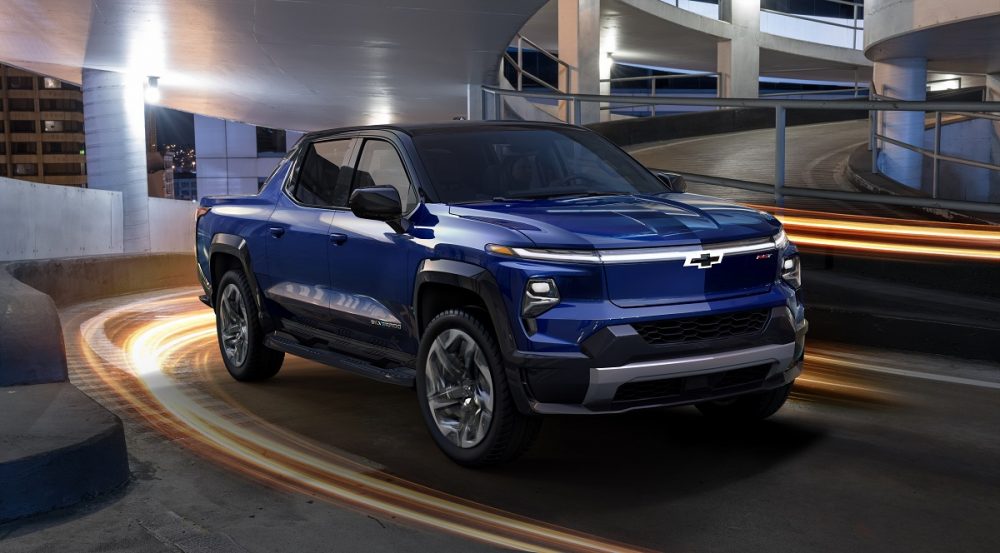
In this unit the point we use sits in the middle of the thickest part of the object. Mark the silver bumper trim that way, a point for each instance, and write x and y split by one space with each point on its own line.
604 381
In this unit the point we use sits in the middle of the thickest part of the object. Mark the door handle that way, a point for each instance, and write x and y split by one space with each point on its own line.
338 238
277 232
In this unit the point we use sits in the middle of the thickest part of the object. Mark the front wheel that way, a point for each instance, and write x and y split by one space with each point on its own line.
751 407
241 339
464 395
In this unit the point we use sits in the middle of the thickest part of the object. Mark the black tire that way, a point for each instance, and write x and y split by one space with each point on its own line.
748 408
260 361
511 432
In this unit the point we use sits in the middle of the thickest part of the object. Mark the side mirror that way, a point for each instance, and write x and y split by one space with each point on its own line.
380 203
674 182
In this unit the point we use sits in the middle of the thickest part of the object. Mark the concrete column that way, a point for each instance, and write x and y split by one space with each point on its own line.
114 119
902 79
580 47
738 59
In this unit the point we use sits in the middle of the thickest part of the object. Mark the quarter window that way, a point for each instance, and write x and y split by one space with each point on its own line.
381 165
323 180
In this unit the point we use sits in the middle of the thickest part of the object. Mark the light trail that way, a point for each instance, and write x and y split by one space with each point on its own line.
884 235
267 456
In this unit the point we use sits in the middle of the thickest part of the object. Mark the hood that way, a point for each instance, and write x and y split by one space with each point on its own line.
625 221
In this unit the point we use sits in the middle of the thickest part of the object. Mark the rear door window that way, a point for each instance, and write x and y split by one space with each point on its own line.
324 180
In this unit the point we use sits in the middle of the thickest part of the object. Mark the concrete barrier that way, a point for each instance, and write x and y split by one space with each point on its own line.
42 221
57 446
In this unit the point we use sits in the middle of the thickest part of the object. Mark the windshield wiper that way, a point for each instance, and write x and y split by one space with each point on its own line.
551 195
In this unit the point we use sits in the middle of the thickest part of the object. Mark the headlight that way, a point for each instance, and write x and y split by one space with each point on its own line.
791 271
540 295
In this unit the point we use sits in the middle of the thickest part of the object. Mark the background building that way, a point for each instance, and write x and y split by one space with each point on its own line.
41 129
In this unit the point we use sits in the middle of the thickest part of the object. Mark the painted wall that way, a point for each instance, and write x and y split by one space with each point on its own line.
44 221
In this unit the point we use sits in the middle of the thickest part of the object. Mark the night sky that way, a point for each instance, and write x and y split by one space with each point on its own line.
173 127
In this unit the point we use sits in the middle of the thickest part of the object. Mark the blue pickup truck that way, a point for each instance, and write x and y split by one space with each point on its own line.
505 270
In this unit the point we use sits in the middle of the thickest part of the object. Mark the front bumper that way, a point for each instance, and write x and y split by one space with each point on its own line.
618 371
682 381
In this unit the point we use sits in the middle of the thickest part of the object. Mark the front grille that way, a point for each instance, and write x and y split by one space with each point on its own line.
706 327
694 387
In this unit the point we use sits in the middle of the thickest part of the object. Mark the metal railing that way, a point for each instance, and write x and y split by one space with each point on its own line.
652 87
933 153
492 108
518 65
856 9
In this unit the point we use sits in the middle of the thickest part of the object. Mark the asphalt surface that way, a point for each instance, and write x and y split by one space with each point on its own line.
875 451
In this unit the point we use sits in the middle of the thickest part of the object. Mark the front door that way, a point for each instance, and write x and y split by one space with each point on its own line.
370 277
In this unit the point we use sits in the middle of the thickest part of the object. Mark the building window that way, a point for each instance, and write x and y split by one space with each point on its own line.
23 148
62 126
20 83
63 169
63 148
22 126
3 149
20 104
3 169
270 141
59 104
25 169
49 82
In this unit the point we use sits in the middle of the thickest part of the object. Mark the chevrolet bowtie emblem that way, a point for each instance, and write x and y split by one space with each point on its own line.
703 260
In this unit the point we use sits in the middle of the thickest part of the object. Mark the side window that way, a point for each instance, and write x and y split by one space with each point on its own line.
324 179
380 165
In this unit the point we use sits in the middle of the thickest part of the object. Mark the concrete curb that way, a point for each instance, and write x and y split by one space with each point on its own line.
57 446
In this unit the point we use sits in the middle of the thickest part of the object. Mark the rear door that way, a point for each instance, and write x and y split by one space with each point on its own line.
298 245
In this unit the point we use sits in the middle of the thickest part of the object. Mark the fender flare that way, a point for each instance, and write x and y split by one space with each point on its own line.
236 246
481 282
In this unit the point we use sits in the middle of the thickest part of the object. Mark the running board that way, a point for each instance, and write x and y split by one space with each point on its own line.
400 376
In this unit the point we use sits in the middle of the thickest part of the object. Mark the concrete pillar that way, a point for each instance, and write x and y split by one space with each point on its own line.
738 59
580 47
114 120
902 79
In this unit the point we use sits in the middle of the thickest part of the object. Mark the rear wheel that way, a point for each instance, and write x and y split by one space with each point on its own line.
751 407
241 339
464 394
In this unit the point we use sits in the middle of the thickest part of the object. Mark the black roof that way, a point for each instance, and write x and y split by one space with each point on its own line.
414 129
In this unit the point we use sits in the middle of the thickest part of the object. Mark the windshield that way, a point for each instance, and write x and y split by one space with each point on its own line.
477 165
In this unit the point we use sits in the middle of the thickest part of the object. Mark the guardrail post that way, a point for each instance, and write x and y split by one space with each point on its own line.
520 63
873 140
652 93
937 153
854 39
779 155
497 106
577 112
483 106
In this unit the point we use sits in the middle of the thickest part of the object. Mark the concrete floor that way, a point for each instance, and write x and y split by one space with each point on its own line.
875 451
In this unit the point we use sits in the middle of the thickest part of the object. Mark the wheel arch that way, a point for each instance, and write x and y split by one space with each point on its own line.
471 281
229 251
